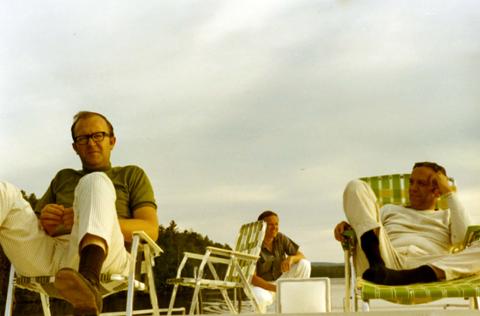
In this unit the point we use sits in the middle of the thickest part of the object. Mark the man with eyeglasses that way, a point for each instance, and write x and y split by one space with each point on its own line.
404 245
86 217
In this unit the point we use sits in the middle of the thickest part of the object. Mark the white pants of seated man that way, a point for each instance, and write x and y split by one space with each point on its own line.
266 299
363 213
34 253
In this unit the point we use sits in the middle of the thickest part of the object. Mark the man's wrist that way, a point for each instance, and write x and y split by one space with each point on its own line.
447 195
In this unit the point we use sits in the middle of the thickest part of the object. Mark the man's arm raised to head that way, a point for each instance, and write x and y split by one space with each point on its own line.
144 218
339 229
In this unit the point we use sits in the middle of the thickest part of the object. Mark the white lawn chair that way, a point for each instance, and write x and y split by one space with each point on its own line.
240 262
139 278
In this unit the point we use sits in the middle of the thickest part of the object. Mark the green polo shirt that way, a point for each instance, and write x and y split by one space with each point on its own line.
132 186
269 263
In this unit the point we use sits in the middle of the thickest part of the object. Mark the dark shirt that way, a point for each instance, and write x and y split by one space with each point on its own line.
269 263
132 187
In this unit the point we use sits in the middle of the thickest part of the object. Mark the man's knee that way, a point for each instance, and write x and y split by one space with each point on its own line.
94 179
11 198
300 270
95 183
264 297
354 186
304 268
8 194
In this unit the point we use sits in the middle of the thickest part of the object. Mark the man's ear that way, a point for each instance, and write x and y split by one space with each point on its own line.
74 146
436 191
113 141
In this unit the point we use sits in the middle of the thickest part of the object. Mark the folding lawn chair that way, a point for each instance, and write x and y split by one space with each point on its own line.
240 266
139 278
393 189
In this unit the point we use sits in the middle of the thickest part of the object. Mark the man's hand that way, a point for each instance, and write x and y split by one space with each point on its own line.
440 181
53 216
67 218
339 229
286 264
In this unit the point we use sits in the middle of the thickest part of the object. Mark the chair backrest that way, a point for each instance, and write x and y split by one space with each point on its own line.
393 189
249 241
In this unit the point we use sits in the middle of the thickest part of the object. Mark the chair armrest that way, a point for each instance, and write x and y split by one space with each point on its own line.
146 239
197 256
472 234
229 253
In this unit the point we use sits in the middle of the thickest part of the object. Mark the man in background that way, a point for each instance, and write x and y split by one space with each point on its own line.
279 258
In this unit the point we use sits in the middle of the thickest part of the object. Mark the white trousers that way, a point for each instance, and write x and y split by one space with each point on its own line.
363 214
300 270
33 252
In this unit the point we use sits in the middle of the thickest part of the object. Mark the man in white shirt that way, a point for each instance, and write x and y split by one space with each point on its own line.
404 245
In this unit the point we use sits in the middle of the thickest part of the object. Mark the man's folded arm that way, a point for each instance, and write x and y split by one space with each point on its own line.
144 218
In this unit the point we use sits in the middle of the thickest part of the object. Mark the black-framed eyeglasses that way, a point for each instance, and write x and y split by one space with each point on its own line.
97 138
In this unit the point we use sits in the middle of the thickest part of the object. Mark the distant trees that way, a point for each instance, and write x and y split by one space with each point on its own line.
174 243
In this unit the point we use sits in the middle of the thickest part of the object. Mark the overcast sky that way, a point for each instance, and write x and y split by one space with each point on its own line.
234 107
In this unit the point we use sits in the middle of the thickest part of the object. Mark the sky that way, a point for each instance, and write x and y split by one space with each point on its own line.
235 107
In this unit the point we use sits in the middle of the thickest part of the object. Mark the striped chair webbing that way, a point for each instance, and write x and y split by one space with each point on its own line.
421 292
393 189
110 283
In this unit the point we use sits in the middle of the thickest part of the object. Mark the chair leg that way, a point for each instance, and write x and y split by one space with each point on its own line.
131 276
151 284
227 300
475 302
172 300
365 306
45 304
194 303
10 292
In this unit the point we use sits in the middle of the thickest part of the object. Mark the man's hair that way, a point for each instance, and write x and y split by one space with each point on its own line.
266 214
87 114
432 165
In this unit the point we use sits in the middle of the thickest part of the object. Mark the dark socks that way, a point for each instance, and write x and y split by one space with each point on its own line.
371 248
383 275
91 261
378 273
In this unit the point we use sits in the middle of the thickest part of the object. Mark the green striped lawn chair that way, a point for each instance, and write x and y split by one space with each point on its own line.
393 189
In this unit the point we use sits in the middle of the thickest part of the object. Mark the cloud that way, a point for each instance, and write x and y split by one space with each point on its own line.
236 107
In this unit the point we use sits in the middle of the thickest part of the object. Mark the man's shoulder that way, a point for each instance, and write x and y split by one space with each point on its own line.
129 173
282 238
127 169
393 207
66 179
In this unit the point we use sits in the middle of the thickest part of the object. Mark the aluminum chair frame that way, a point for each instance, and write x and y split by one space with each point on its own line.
142 245
240 262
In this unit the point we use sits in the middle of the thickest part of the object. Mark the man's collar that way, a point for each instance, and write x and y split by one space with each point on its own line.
106 168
